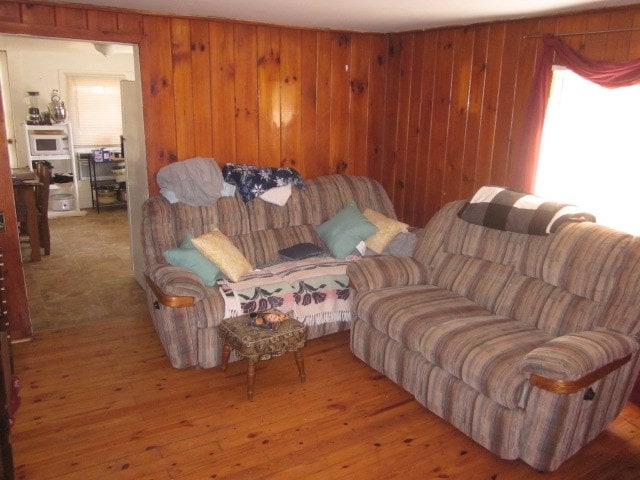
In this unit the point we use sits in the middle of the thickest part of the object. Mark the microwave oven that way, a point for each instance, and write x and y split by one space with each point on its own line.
42 143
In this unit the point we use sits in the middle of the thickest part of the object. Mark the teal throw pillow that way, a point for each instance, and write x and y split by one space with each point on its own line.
346 229
189 257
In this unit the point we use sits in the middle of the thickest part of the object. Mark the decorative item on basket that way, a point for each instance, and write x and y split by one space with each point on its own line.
268 319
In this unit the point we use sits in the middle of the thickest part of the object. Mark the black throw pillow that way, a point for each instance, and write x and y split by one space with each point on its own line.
302 251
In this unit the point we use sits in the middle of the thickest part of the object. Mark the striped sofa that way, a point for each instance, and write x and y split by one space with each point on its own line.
185 312
527 344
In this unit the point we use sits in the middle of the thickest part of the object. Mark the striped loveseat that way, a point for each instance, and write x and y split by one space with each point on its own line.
185 312
528 344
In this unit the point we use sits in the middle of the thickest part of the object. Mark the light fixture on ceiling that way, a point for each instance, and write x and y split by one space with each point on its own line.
104 48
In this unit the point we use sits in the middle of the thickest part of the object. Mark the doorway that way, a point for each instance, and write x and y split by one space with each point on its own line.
38 64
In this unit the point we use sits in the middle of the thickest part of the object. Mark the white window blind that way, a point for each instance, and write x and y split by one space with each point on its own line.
95 110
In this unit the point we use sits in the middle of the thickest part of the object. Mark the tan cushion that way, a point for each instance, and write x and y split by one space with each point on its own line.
217 247
388 228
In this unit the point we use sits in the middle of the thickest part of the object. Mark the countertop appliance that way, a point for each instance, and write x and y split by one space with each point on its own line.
48 141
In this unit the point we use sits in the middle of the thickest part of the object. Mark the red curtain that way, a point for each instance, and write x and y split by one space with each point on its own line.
606 74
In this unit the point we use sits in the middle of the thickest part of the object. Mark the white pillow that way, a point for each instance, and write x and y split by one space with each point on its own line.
277 195
228 190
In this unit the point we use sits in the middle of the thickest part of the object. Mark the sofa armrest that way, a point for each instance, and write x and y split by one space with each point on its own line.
371 273
175 286
574 361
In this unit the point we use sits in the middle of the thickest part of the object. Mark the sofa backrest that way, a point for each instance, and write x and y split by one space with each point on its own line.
259 228
578 278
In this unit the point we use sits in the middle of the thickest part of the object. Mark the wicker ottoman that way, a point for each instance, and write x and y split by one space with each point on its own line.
255 344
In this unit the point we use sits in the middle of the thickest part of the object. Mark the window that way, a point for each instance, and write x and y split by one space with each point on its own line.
95 110
590 149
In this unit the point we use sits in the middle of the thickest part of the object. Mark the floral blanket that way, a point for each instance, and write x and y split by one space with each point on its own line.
313 298
253 181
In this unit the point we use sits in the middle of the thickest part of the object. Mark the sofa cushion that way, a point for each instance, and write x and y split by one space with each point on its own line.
381 271
457 335
229 214
547 307
328 194
221 251
402 244
481 281
582 258
388 228
261 247
345 230
189 257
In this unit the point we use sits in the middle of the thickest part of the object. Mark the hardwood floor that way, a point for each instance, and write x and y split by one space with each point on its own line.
101 401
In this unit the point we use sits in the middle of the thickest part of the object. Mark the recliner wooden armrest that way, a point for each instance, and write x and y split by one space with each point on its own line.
572 386
169 300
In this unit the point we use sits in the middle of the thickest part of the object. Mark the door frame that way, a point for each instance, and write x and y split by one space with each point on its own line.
10 127
20 325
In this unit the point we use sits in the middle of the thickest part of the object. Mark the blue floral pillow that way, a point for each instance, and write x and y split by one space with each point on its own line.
253 181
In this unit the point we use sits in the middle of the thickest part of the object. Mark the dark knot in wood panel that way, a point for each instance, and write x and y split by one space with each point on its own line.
286 162
358 86
344 40
271 57
467 179
154 88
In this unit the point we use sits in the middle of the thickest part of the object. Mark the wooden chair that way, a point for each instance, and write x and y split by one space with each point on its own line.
43 172
42 203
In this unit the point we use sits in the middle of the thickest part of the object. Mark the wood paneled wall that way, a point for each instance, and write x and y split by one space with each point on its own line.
432 115
263 95
455 100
